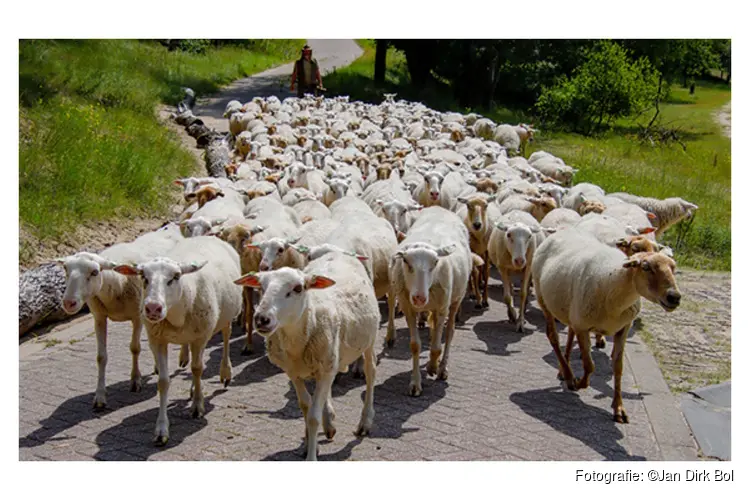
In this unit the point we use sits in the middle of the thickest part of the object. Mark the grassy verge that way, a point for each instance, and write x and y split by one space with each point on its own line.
90 145
617 160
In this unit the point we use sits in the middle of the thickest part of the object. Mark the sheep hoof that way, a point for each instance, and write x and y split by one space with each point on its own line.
100 404
135 385
161 440
442 373
362 431
184 363
415 390
519 327
421 325
582 383
196 412
601 343
247 350
621 417
485 304
560 376
226 382
390 342
572 384
432 369
330 432
478 306
512 318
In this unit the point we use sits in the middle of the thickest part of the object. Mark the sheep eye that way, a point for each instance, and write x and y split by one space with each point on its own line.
281 250
95 272
298 289
145 282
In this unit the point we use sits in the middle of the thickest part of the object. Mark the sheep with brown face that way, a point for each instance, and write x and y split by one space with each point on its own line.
603 290
208 193
591 206
479 214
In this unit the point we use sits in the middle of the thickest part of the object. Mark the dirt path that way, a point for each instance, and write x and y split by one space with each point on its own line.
693 344
724 119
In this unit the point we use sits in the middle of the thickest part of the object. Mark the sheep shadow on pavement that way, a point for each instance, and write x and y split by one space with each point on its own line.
80 409
136 432
566 413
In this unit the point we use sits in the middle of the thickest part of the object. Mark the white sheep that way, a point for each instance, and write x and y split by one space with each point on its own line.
316 322
90 280
430 272
512 244
579 193
602 294
560 218
668 212
538 207
507 137
188 295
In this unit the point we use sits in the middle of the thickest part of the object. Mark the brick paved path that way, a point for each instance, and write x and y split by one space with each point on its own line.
502 401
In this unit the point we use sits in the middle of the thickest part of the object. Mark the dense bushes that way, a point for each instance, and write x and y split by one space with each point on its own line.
608 85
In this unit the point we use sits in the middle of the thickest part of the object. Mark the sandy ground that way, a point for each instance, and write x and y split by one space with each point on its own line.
724 118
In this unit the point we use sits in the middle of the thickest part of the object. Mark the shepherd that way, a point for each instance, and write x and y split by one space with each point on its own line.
306 74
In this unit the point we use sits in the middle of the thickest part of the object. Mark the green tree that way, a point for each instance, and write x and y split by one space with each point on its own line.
608 85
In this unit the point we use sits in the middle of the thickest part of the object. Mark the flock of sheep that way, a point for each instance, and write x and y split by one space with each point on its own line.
329 205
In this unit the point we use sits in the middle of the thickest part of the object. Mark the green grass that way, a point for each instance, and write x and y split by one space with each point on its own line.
91 147
616 160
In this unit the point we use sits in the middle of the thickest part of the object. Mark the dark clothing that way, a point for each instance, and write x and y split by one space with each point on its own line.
309 89
306 73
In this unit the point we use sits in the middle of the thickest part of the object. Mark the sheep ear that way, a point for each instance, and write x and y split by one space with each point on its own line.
549 230
461 199
535 229
361 258
178 182
415 206
216 222
471 182
399 254
501 226
250 279
491 198
651 216
128 270
106 265
191 267
401 236
292 241
646 230
59 261
318 282
446 250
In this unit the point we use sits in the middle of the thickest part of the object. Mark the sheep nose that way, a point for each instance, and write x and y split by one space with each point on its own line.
434 195
262 321
418 300
263 266
673 297
477 225
290 182
519 262
153 309
69 304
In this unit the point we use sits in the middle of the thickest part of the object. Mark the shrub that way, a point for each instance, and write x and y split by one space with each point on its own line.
607 86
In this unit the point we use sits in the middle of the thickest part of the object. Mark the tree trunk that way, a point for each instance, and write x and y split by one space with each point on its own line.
658 100
419 61
381 49
40 292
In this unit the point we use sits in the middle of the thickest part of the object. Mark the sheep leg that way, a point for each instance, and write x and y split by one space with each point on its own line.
368 410
600 342
225 372
449 331
196 366
100 326
303 399
486 281
568 349
524 296
415 386
357 368
563 365
162 422
247 298
437 320
390 335
184 358
584 345
507 294
329 415
618 353
135 352
315 414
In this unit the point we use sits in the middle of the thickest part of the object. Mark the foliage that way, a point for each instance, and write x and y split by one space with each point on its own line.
608 85
90 145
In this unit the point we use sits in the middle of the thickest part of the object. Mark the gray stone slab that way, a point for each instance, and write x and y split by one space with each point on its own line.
711 425
719 394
